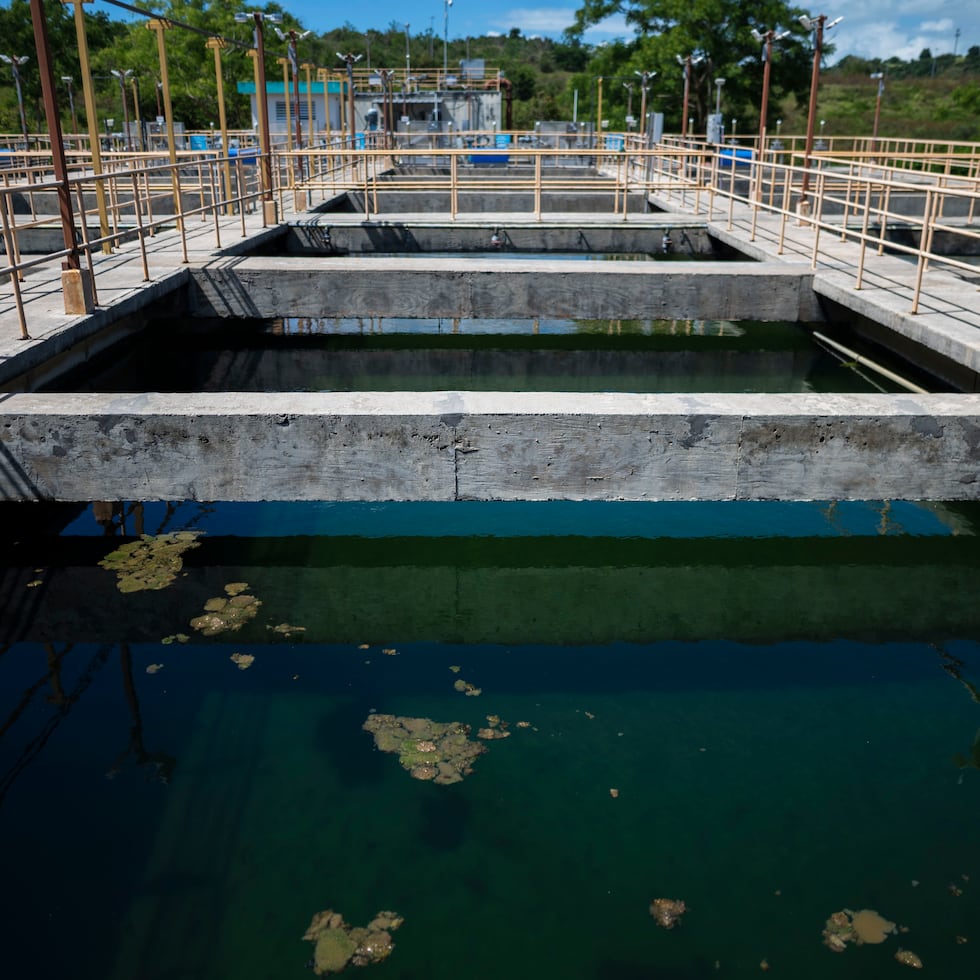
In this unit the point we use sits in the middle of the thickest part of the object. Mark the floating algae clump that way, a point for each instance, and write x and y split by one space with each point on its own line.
339 944
151 563
429 750
907 958
667 912
227 613
865 926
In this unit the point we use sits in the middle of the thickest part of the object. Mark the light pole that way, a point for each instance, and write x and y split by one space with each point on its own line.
294 67
766 39
629 104
408 56
216 44
68 80
261 97
284 62
350 60
123 76
445 35
308 68
137 120
818 25
387 74
878 76
687 62
719 84
92 122
645 78
15 62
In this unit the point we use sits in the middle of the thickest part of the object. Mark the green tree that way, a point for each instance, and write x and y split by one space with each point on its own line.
190 65
17 31
719 31
523 78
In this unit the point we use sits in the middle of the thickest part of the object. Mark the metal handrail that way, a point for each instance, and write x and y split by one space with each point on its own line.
854 194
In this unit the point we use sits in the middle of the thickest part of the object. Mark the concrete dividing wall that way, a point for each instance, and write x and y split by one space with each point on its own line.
489 446
323 237
314 287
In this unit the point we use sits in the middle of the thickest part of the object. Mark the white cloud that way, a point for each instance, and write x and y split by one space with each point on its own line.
553 21
944 26
540 20
611 27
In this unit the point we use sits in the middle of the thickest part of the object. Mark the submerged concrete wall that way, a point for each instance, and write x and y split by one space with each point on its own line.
524 590
503 287
489 446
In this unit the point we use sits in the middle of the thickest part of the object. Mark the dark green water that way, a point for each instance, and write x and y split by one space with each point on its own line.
438 354
778 691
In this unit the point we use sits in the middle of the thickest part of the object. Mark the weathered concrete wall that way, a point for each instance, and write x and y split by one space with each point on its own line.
487 201
321 237
312 287
489 446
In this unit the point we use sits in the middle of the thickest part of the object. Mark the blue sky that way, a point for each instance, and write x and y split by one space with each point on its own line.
871 28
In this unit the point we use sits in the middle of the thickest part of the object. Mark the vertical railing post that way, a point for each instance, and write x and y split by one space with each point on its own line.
92 120
537 184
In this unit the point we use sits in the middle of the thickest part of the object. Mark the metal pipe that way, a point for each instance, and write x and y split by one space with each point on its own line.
867 362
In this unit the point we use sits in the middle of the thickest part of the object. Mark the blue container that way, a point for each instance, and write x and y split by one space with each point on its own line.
481 159
615 142
359 142
249 156
735 155
501 139
199 142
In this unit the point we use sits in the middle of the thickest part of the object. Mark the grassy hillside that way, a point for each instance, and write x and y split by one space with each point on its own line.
945 106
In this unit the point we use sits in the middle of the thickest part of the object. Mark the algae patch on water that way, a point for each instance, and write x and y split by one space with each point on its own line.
151 563
227 613
428 750
864 926
339 945
667 912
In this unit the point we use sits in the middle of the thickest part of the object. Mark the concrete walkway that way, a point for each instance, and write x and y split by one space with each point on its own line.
120 286
948 319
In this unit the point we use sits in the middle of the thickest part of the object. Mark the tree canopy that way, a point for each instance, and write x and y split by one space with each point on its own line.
547 76
719 32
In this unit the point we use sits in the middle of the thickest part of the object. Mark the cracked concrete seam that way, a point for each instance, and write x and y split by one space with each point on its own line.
738 458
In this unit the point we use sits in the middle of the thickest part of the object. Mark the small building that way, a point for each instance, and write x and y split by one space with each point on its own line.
427 100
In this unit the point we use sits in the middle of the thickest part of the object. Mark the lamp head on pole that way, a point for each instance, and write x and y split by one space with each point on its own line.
812 23
244 16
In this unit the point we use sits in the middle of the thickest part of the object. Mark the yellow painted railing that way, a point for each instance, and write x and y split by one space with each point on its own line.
845 191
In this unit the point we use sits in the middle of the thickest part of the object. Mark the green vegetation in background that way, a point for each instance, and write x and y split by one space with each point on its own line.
927 98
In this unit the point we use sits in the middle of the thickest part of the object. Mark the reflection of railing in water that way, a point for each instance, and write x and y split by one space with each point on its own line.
63 704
